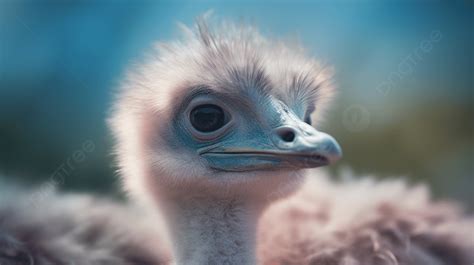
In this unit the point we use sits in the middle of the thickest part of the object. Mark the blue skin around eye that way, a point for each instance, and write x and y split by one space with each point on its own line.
252 132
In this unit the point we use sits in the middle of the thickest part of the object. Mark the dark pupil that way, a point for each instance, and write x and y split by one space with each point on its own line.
207 118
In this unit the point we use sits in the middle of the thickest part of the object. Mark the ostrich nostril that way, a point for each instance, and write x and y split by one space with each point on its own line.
287 135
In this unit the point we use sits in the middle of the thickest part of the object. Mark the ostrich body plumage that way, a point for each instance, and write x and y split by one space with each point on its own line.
393 224
258 207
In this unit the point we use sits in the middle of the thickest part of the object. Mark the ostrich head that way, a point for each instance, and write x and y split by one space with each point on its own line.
223 115
226 111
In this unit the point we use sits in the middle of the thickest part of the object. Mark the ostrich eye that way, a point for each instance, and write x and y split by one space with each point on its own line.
207 118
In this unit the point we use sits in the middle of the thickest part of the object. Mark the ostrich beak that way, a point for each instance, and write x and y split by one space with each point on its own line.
309 147
291 146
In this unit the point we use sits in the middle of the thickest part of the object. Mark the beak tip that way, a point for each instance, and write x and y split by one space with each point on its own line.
334 152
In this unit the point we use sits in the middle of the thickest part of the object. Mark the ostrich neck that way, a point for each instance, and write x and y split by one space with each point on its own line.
208 231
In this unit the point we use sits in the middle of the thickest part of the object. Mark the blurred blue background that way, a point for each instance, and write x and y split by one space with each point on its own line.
404 72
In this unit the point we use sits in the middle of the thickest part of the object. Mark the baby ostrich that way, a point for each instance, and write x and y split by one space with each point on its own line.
216 132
